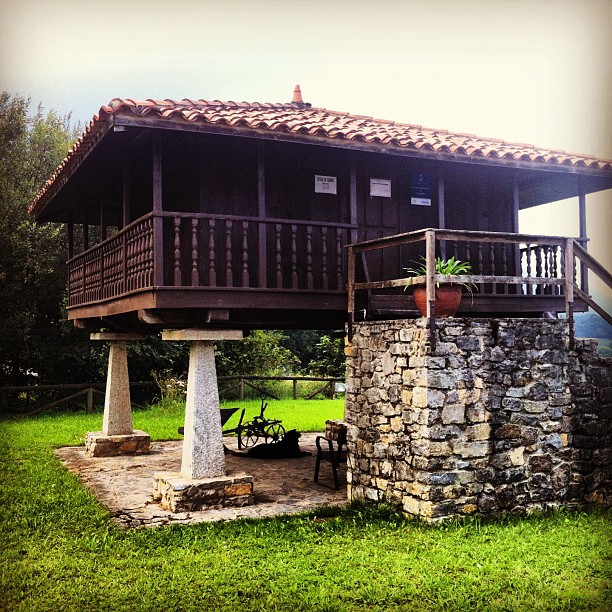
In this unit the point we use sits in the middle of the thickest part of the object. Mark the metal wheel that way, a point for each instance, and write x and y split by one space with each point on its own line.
275 431
247 437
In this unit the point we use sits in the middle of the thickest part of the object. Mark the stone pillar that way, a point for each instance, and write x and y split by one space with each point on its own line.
117 436
203 455
202 481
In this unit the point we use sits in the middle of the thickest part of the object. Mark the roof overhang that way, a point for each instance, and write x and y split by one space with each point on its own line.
543 176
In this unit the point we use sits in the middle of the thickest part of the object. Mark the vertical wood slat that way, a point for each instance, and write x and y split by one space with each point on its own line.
229 273
212 270
480 270
245 254
158 222
441 213
294 274
324 276
178 280
492 264
353 201
279 261
195 270
505 265
339 279
309 277
261 211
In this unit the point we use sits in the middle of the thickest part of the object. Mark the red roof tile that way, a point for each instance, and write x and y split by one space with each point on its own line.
303 120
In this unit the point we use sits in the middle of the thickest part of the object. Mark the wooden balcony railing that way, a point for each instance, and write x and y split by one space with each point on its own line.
503 264
211 251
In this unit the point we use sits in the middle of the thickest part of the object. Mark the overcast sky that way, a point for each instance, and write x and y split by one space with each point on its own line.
532 71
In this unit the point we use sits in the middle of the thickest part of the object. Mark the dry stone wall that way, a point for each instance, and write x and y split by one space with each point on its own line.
500 417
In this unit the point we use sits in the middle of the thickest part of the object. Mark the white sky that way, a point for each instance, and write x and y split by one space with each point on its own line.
533 71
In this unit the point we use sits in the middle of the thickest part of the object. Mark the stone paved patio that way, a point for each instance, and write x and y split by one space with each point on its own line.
125 484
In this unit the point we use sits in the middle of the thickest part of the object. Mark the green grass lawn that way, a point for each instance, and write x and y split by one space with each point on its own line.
60 551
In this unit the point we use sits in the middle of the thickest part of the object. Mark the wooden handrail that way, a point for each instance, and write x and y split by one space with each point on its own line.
465 235
551 261
584 256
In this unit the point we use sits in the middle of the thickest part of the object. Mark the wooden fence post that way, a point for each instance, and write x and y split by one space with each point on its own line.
89 409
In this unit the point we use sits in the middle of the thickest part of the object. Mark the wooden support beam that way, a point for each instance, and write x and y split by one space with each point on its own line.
441 213
353 200
158 222
157 172
569 288
582 220
261 212
430 264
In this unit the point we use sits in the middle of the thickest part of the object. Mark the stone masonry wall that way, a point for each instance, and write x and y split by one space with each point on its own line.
501 417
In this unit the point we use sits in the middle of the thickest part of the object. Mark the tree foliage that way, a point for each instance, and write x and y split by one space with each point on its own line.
32 258
328 359
260 353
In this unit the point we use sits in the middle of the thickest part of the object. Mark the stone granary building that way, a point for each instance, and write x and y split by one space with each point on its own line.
202 219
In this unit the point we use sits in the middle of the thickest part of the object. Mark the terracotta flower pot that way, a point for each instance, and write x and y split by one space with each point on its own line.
448 298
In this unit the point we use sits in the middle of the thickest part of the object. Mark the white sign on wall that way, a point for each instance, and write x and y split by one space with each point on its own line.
325 184
380 188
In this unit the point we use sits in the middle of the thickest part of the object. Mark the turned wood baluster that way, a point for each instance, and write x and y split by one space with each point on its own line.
455 249
229 273
309 279
324 258
137 261
294 274
339 278
149 255
177 252
555 267
539 274
527 253
245 254
212 270
279 261
195 271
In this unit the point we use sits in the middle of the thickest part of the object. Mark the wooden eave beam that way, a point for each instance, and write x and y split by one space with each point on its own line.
168 124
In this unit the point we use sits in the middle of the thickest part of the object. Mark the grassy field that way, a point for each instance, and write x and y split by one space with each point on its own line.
60 550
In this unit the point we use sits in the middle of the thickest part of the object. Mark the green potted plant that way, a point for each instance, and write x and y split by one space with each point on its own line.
448 294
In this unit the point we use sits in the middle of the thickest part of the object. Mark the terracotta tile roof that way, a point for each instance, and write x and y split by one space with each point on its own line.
303 120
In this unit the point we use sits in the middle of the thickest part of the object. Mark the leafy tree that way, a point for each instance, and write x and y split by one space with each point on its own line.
259 354
32 268
328 357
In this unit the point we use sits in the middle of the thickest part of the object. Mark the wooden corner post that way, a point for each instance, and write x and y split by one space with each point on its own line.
430 284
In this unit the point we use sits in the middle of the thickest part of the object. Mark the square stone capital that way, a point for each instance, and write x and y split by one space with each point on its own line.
110 336
210 335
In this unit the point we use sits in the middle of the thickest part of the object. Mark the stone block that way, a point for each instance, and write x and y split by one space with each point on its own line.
479 432
471 449
176 493
453 413
99 445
